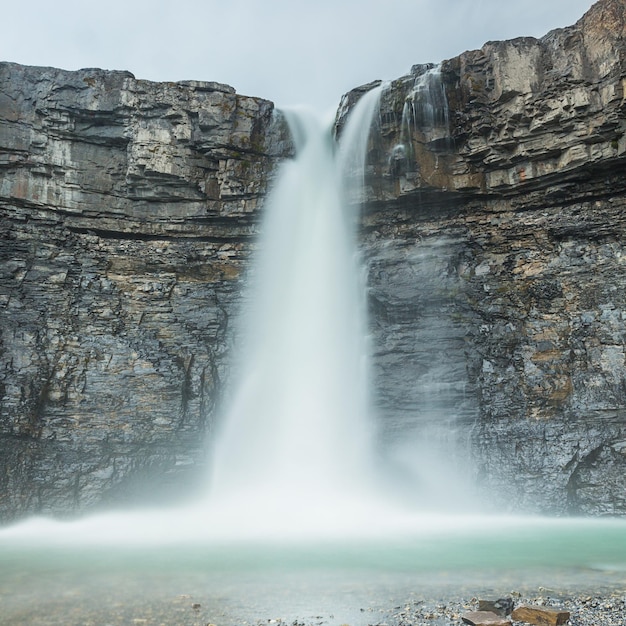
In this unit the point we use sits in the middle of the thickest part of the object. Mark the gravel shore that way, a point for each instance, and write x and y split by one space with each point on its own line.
187 610
584 609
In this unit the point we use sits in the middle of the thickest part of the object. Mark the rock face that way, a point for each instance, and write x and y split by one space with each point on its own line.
493 234
127 214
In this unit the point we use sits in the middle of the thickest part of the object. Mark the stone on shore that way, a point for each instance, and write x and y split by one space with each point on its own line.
540 615
501 606
484 618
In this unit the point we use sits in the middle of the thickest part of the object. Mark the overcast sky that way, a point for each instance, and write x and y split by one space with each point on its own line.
289 51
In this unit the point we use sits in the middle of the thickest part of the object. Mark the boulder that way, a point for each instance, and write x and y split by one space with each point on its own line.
502 606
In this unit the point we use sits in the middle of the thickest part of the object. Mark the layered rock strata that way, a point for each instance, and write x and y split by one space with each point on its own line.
128 210
495 237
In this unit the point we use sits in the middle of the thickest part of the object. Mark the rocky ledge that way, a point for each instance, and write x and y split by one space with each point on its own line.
128 214
494 233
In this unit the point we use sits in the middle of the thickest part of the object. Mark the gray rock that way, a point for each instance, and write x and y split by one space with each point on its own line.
128 210
493 235
484 618
502 606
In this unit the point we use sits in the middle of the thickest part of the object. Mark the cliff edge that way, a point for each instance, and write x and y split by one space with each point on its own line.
494 234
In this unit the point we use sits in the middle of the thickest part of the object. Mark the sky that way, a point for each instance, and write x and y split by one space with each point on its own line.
288 51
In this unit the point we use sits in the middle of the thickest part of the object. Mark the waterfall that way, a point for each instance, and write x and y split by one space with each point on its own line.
425 113
294 486
299 429
426 105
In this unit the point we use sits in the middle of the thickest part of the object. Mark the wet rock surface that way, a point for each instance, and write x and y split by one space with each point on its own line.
128 211
493 237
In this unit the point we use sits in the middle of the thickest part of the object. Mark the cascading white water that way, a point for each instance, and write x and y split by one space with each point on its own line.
425 113
299 430
426 106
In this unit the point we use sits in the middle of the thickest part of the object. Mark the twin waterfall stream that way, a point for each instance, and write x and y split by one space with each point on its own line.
298 506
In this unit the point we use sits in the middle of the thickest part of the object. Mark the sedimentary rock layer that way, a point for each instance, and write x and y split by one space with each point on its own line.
494 234
127 214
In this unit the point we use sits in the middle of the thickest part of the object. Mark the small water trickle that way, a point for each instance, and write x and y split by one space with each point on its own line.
425 112
427 102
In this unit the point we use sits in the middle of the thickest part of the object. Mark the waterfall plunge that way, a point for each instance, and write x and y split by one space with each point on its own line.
298 433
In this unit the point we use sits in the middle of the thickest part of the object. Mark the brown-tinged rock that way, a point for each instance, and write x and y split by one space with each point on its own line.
492 264
540 615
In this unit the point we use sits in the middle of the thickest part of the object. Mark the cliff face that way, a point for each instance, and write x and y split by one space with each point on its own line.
127 214
495 238
493 232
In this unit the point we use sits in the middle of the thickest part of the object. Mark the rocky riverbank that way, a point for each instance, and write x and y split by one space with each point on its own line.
449 609
575 610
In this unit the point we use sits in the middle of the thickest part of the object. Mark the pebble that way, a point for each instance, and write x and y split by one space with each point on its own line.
447 608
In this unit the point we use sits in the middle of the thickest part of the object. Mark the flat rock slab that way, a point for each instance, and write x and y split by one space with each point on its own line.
540 615
484 618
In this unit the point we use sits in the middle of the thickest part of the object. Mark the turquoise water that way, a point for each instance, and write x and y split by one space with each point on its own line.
343 580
